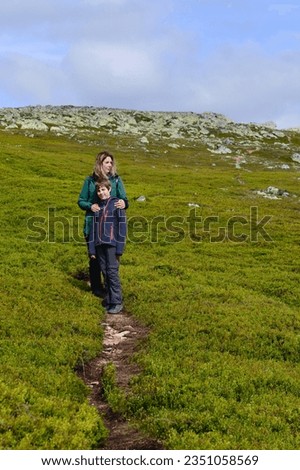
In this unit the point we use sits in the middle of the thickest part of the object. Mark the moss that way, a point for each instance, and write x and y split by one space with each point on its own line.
221 366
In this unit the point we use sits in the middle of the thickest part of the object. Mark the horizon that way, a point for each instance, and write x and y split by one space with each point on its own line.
266 123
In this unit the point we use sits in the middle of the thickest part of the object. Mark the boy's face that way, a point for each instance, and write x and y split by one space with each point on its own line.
103 192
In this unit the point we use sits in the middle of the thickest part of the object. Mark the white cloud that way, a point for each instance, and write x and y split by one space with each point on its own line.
247 85
30 80
119 62
112 73
144 55
17 16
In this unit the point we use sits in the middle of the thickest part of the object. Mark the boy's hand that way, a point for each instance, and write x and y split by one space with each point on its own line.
95 208
93 256
120 204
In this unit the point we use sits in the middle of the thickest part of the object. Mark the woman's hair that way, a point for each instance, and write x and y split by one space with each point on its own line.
98 165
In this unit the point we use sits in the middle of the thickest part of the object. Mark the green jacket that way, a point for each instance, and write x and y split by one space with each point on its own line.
88 197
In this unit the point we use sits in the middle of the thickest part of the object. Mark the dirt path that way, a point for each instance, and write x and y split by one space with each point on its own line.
122 334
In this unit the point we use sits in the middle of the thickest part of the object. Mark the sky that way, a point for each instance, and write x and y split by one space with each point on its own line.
240 58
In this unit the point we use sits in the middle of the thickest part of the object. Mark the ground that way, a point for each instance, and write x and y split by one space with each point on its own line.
122 335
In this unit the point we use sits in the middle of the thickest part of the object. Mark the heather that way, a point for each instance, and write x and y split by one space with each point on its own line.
211 266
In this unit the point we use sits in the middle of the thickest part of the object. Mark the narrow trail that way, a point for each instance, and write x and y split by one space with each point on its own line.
122 334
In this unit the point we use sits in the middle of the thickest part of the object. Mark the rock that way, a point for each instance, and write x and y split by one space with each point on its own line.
34 125
238 161
276 191
221 150
141 199
296 157
270 124
272 193
59 130
219 134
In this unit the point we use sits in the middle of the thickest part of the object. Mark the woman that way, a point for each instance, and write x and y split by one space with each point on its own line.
104 169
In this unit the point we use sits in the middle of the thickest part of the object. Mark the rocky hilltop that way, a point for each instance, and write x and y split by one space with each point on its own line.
219 134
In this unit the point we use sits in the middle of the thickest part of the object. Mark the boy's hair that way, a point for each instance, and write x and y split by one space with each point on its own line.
105 183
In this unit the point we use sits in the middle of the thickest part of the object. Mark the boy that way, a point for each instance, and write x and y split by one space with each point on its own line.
106 244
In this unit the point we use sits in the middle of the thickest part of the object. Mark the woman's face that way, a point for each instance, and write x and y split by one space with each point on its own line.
107 165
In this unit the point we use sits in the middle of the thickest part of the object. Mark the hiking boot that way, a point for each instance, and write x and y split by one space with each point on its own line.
115 308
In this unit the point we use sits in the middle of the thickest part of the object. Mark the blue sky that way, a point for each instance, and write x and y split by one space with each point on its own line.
240 58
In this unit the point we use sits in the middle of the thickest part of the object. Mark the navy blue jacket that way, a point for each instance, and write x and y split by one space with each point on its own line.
108 227
88 196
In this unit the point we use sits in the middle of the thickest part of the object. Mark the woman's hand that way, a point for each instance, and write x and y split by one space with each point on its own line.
95 208
120 204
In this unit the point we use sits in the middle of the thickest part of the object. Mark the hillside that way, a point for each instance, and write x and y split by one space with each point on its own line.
208 128
210 272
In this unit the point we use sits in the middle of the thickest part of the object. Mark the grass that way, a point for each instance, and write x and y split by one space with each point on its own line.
220 369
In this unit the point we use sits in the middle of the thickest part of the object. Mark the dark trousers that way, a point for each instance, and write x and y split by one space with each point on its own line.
95 274
109 266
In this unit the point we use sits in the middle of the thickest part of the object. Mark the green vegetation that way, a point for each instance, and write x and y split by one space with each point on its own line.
220 369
